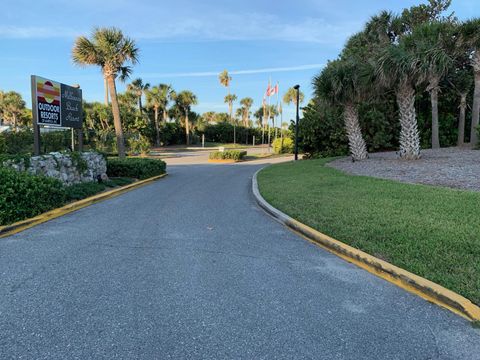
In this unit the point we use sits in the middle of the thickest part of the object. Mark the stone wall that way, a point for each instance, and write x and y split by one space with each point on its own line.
67 167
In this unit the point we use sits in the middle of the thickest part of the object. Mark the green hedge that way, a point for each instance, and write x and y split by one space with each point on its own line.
228 155
23 195
138 168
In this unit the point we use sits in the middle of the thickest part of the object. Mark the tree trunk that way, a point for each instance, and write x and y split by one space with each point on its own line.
187 129
476 105
461 119
356 143
409 134
157 129
14 118
165 115
116 116
433 88
105 84
140 104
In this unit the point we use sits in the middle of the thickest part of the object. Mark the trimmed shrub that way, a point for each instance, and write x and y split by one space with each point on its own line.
137 168
23 195
283 146
236 155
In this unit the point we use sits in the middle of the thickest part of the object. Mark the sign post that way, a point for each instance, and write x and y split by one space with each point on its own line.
54 105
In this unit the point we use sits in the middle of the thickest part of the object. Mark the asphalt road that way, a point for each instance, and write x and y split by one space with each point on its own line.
190 268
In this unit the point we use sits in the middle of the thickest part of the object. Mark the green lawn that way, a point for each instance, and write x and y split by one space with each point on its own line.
431 231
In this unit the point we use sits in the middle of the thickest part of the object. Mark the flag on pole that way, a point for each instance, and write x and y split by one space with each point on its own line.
271 90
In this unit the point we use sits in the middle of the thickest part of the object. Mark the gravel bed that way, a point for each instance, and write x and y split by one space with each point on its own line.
457 168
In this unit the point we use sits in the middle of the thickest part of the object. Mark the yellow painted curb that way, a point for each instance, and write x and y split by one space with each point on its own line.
17 227
415 284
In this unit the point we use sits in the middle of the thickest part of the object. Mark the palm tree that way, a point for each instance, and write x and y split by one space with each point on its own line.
138 88
291 97
168 94
12 107
433 45
461 80
471 35
185 99
339 83
246 105
393 65
155 100
109 49
230 99
225 79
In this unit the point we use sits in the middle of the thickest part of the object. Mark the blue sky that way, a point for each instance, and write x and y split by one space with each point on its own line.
187 43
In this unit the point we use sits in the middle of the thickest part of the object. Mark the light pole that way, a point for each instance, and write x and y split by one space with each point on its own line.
297 87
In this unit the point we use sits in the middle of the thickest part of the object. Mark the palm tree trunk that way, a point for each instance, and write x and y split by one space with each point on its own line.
461 119
356 143
165 116
187 129
157 129
433 88
140 104
116 116
14 122
409 134
105 84
476 105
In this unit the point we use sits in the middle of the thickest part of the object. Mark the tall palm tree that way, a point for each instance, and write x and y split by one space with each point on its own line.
339 83
155 99
471 35
109 49
434 46
230 99
462 81
246 105
185 99
393 65
168 94
138 88
225 79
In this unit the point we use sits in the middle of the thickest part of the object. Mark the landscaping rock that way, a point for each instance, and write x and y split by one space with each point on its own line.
87 167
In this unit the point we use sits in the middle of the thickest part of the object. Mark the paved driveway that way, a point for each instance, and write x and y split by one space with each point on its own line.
190 268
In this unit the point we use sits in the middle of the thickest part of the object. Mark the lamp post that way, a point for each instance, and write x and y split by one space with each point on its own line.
297 87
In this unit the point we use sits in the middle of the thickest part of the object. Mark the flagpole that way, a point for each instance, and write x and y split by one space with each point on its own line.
269 113
275 115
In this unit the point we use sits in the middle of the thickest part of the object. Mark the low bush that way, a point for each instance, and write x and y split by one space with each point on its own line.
139 145
83 190
282 146
23 195
137 168
228 155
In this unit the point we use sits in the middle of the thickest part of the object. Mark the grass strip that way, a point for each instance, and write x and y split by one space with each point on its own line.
430 231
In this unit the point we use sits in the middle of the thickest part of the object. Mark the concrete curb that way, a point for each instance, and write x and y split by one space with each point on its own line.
17 227
424 288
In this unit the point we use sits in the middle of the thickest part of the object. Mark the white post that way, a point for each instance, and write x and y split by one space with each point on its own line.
253 140
203 140
73 139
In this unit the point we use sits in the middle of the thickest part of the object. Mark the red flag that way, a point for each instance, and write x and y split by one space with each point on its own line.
272 90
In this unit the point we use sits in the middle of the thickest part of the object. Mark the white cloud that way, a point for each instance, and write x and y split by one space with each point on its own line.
234 72
35 32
